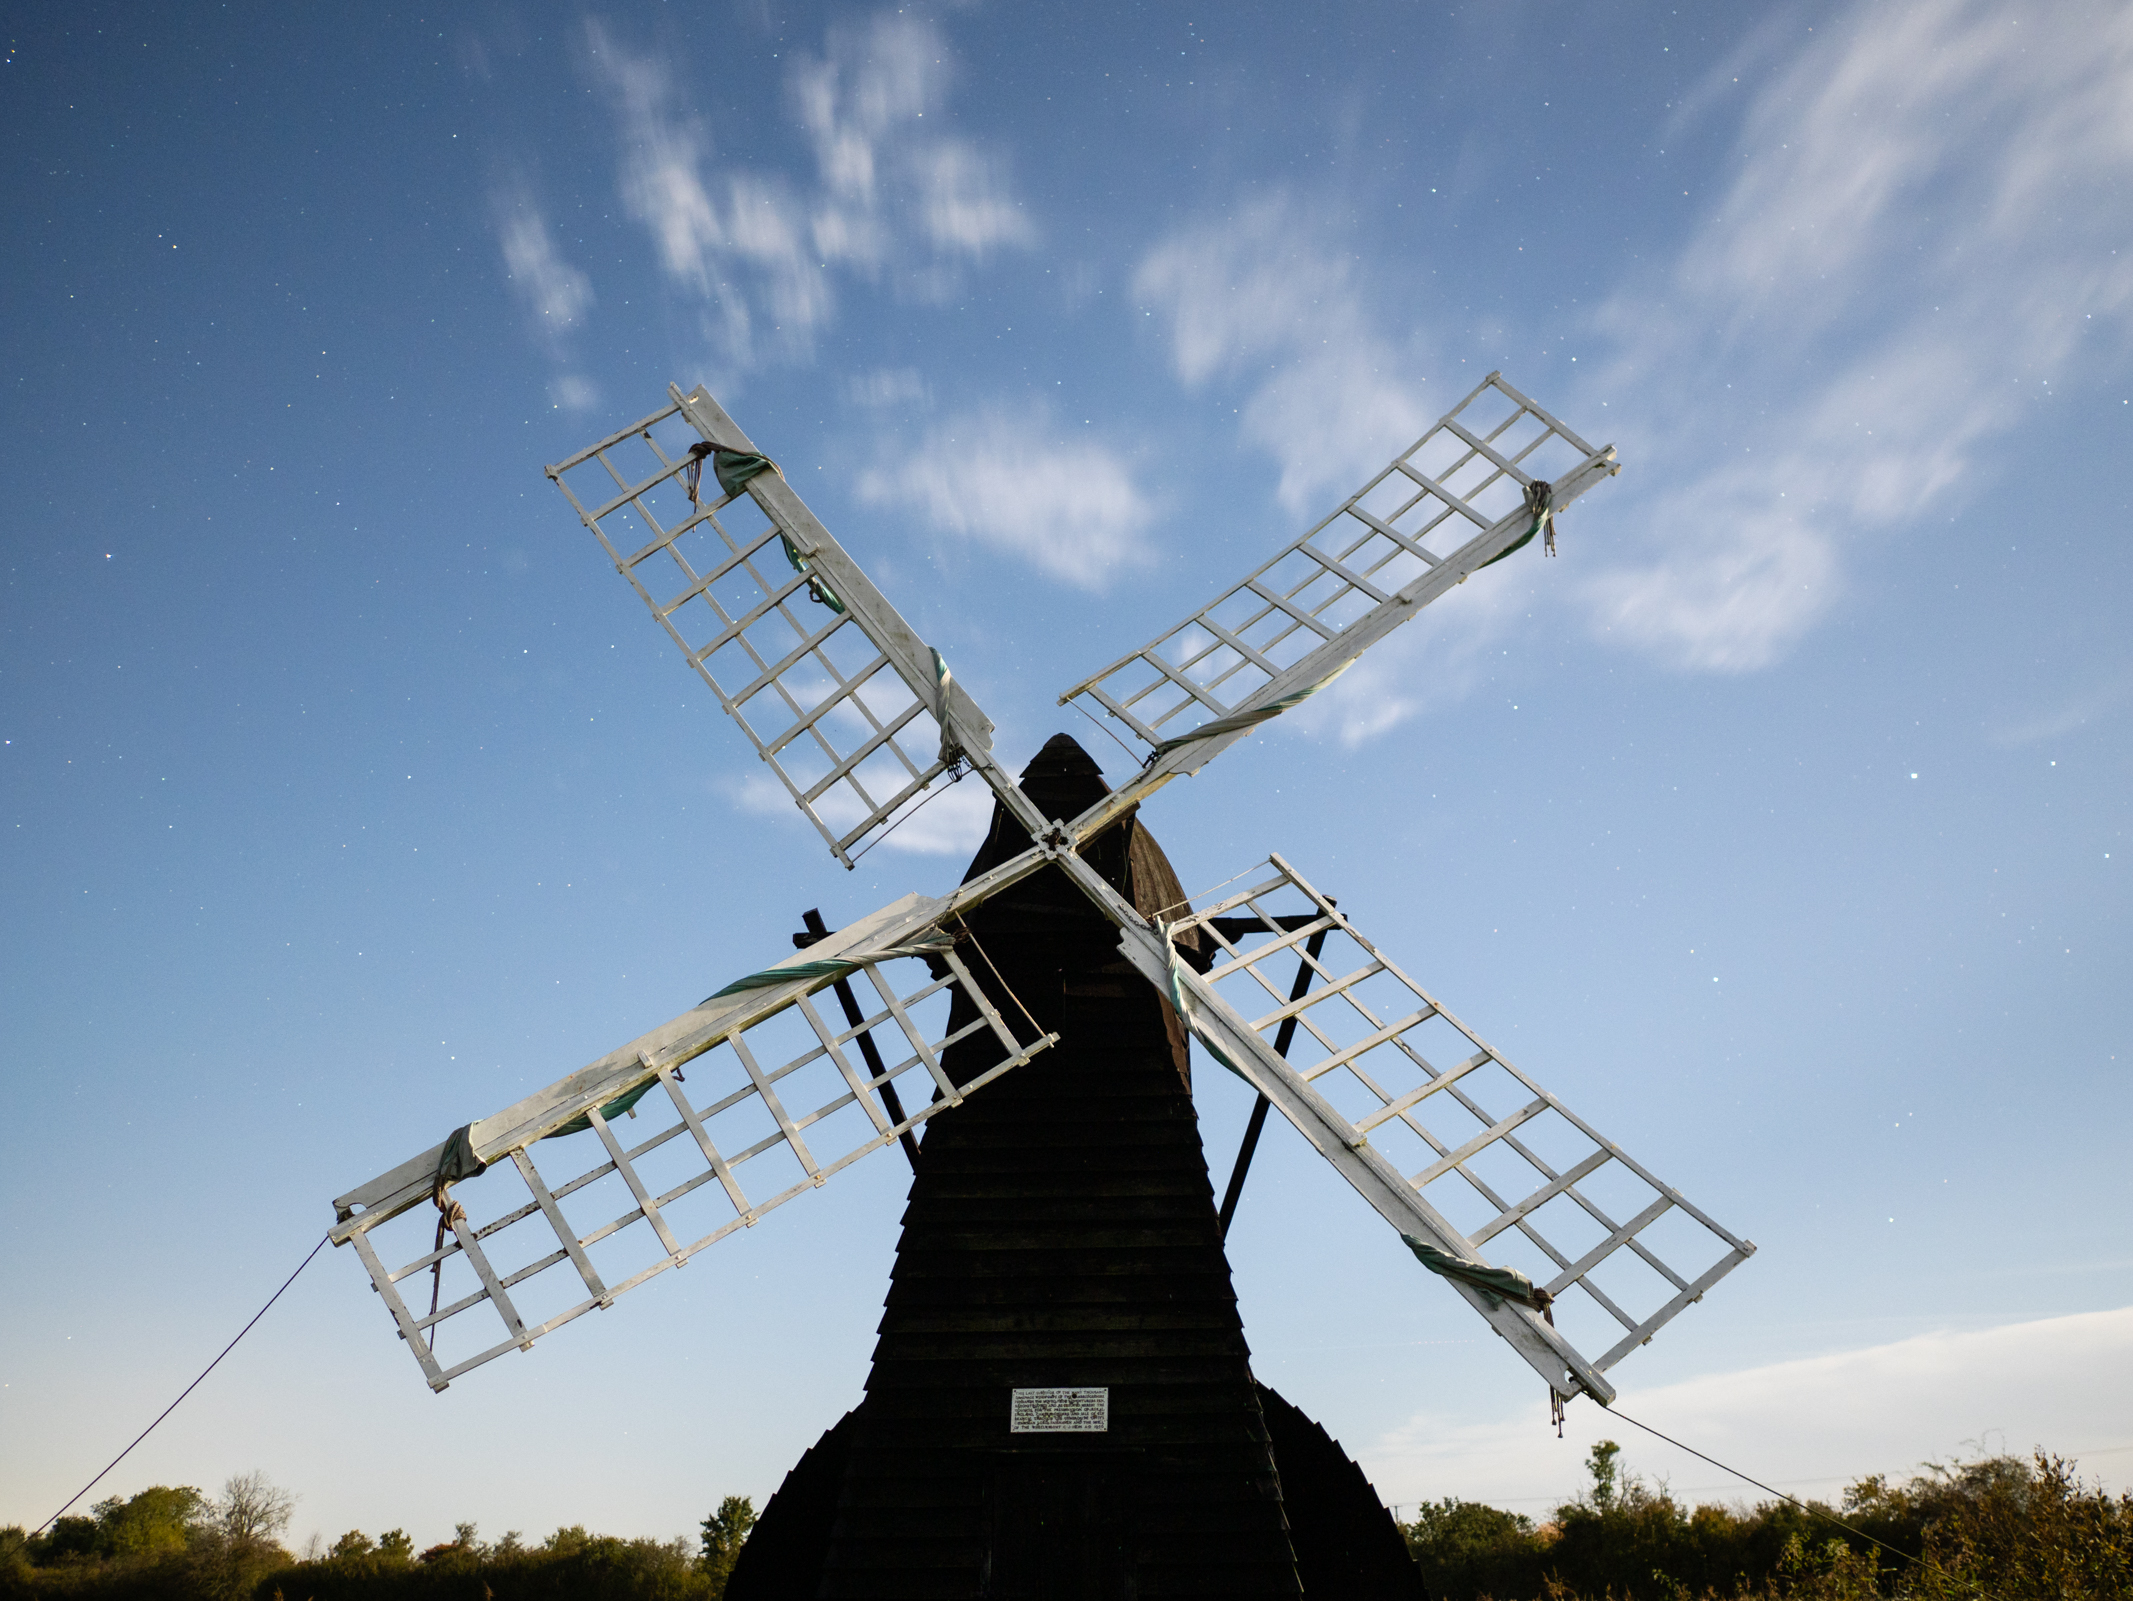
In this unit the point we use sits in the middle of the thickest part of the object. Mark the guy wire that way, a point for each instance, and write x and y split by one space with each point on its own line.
1100 723
1201 895
188 1390
1035 1031
926 799
1812 1511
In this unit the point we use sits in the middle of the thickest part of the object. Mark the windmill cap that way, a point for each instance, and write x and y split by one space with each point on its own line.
1062 758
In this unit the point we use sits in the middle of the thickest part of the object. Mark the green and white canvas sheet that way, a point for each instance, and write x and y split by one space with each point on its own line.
750 1099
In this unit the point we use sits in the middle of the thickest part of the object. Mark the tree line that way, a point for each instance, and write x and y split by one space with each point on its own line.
176 1544
1998 1526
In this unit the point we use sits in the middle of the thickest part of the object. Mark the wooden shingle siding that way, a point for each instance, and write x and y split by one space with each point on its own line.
1061 1232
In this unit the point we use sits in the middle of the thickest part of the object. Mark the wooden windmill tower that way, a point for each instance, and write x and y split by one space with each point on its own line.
1061 1401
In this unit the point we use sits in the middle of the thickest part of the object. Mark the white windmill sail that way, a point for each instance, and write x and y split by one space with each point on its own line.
1495 1185
1478 1167
1483 481
767 1098
854 712
1368 1068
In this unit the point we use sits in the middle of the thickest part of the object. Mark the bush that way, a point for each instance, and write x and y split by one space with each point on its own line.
570 1565
2033 1531
1466 1549
170 1544
1998 1527
166 1542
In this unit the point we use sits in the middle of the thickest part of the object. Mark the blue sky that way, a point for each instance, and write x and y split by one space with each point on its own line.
1779 826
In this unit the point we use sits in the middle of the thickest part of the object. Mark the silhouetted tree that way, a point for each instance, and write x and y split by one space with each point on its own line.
252 1509
723 1534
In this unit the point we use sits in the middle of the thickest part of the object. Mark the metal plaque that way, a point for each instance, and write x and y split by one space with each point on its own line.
1086 1411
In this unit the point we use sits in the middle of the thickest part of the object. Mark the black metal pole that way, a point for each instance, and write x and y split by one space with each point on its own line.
1282 1039
853 1015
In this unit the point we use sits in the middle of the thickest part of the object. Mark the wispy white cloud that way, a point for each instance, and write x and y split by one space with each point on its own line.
574 392
1905 258
1898 269
734 241
1259 290
551 288
2094 702
887 386
1415 670
555 294
948 820
1810 1425
1009 479
861 103
871 84
890 195
952 821
1260 298
964 199
1738 578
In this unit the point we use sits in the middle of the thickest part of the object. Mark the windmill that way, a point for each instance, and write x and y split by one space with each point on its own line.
1552 1234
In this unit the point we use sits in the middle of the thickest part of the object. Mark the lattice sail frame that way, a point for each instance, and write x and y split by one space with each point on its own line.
855 714
1540 1187
1441 510
757 643
773 1080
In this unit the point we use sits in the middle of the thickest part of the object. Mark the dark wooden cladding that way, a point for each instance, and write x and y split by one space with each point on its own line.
1060 1232
783 1554
1347 1544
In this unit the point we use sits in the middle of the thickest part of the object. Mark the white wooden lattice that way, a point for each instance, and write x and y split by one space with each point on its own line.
857 716
1441 509
750 1101
837 694
1521 1180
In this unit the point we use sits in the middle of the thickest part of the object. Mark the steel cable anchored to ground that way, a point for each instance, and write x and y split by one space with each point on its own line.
188 1390
1808 1507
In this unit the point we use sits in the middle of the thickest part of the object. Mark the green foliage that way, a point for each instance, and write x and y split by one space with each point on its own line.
68 1539
1601 1465
174 1544
2035 1531
570 1565
567 1542
167 1541
159 1519
1827 1570
723 1533
460 1554
1997 1527
1467 1549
